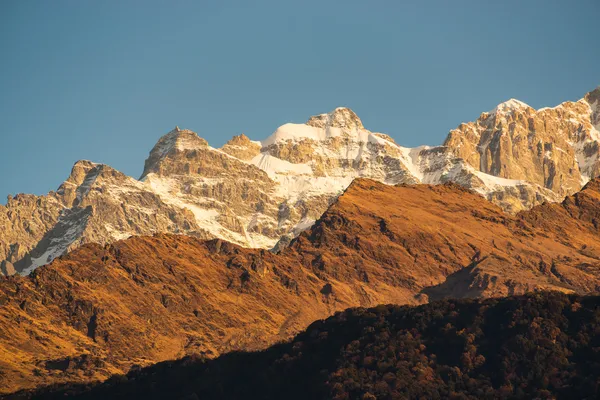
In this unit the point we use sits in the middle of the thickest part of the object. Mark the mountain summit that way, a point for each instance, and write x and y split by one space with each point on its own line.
264 193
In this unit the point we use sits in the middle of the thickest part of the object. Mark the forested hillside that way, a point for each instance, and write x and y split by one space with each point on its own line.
542 345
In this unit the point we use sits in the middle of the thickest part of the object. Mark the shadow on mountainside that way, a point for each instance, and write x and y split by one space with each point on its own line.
541 345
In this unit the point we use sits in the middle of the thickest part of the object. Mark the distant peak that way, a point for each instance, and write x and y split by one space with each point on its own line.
240 139
184 139
342 110
344 120
178 130
242 147
509 106
341 117
593 97
80 169
85 164
175 141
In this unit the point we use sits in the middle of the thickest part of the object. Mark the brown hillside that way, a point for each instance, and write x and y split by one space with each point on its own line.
101 310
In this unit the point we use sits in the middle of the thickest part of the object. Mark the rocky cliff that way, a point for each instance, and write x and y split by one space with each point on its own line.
556 148
259 194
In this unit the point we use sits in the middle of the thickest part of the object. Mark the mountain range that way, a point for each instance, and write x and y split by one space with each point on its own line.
212 252
262 194
101 310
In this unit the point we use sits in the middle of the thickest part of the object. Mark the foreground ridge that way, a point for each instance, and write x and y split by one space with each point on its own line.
536 346
101 310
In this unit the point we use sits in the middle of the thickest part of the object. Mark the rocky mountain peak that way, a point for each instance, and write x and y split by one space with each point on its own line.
181 139
83 174
240 140
79 171
242 147
509 107
556 148
593 99
177 140
593 96
341 122
341 117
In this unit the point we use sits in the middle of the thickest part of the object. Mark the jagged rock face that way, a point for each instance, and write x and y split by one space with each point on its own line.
242 147
593 99
257 193
337 145
101 309
24 221
342 118
230 198
100 205
556 148
176 140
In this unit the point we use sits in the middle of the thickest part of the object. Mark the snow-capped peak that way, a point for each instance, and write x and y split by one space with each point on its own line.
509 106
340 122
341 117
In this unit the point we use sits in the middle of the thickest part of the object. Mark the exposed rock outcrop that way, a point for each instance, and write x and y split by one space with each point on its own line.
556 148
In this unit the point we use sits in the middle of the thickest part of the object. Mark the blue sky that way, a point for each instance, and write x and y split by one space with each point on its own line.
103 80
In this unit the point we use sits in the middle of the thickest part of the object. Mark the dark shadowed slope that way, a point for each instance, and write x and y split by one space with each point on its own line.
541 345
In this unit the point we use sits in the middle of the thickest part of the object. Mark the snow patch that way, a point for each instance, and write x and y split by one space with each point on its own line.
299 132
492 181
304 224
206 218
85 187
273 165
67 230
116 234
412 160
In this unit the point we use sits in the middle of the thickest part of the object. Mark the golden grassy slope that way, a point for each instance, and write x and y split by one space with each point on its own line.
101 310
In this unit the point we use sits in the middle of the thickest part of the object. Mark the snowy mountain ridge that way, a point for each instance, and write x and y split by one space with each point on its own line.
263 193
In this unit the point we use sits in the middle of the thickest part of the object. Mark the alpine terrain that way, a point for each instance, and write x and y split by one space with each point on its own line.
261 194
105 309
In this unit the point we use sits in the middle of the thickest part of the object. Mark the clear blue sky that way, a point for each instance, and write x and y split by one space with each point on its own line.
103 80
